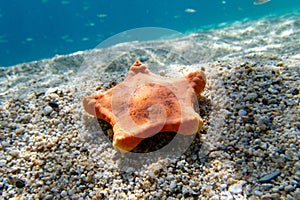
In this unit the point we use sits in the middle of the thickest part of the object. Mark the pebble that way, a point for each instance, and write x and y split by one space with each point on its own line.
263 121
237 188
257 193
272 91
242 113
20 131
271 196
48 110
289 188
15 153
226 195
5 144
173 185
2 163
267 186
251 97
71 192
269 177
20 183
53 104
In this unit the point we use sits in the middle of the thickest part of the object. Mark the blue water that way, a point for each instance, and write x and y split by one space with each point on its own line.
35 29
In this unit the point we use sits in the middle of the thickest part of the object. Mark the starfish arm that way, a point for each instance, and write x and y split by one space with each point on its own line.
124 142
191 124
99 105
89 105
197 80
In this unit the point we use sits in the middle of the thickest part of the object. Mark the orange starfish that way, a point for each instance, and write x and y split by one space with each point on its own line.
145 104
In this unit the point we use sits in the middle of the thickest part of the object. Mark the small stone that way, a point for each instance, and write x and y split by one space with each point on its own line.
15 153
251 97
71 192
170 177
273 101
26 118
264 146
265 101
257 193
49 196
249 119
248 127
272 91
237 188
289 188
297 195
280 64
269 177
51 90
63 193
226 195
263 127
263 121
242 113
20 183
173 185
53 104
267 186
223 186
4 144
48 110
271 196
2 163
295 91
20 131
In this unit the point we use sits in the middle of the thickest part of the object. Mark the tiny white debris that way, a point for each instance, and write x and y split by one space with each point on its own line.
102 15
259 2
190 10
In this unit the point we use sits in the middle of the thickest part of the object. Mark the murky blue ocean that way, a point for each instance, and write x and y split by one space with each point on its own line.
36 29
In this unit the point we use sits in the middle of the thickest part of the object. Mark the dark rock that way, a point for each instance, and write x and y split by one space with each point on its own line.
269 177
53 104
20 183
295 91
265 101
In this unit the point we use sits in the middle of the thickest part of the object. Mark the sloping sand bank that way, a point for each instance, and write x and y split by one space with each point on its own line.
249 148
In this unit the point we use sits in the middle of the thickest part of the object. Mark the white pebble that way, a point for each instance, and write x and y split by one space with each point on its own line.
71 192
173 185
2 163
170 177
48 110
4 144
51 90
237 188
63 193
272 90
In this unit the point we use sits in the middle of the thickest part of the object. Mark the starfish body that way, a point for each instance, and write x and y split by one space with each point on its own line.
145 104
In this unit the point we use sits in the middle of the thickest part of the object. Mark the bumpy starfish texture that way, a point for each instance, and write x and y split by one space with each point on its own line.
145 104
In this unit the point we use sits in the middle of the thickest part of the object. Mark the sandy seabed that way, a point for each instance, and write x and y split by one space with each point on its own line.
248 148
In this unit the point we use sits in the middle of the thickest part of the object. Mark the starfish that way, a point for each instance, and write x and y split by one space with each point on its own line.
145 104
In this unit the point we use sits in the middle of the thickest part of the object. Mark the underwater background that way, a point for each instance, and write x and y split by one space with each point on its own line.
36 29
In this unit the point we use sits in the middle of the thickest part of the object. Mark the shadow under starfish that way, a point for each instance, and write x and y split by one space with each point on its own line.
161 139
